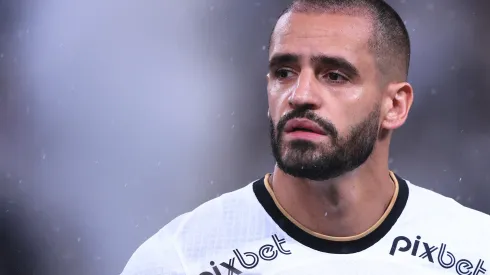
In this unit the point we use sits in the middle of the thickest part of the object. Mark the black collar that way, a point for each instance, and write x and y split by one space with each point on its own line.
328 246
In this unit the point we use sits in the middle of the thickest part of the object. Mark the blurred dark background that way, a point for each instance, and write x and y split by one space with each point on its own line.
116 116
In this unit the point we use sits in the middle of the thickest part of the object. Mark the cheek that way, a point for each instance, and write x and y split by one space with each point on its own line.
278 103
343 117
355 105
352 97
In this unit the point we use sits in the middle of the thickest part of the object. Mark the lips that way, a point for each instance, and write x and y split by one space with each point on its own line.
303 125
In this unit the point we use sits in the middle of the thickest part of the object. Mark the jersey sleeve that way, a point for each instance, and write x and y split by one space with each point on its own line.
159 255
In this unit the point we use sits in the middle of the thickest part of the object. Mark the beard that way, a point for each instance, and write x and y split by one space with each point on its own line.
324 160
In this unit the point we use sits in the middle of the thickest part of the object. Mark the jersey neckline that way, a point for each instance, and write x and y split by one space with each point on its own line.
345 245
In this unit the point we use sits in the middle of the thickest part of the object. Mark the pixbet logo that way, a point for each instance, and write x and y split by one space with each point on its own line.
249 260
441 254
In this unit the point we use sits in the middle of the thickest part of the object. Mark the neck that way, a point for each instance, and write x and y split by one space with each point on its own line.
341 207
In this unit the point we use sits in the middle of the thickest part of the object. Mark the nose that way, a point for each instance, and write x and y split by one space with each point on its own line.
305 92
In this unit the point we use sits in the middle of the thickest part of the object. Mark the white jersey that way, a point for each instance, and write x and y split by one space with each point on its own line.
248 232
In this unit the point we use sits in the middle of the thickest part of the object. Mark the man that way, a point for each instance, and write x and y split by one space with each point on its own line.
337 90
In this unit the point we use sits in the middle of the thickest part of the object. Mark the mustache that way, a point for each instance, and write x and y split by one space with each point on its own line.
306 113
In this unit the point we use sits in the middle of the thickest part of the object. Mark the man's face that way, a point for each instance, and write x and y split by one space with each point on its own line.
324 98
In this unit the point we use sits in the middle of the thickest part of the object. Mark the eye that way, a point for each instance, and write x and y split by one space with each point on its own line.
283 73
335 77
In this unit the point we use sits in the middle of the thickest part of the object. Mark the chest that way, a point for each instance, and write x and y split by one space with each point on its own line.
280 255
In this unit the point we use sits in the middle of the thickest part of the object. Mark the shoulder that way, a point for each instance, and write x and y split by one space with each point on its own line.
446 211
189 234
158 254
449 231
218 212
211 212
444 205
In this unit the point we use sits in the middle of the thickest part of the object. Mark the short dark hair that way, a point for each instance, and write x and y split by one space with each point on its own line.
390 41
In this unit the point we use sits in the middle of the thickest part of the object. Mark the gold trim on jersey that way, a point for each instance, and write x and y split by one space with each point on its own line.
332 238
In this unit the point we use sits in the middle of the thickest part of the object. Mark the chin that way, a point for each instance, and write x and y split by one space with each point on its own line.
306 153
300 161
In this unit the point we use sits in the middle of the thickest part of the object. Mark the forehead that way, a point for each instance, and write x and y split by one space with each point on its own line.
309 34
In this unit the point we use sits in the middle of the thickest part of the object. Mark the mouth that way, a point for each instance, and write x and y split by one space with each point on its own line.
303 126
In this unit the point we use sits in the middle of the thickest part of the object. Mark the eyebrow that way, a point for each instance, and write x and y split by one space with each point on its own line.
336 62
324 60
283 59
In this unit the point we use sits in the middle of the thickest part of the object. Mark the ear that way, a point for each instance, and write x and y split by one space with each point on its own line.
396 105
